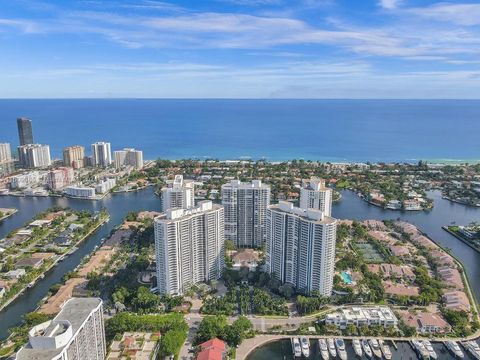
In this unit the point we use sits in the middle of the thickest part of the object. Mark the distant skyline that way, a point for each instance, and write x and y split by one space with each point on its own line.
417 49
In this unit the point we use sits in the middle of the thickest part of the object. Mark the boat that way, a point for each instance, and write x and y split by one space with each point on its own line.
429 347
322 344
357 347
340 345
385 349
454 348
305 343
473 348
366 349
331 348
375 348
420 349
296 348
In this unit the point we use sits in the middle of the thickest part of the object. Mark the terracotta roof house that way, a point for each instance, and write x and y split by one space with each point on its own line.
214 349
426 323
456 300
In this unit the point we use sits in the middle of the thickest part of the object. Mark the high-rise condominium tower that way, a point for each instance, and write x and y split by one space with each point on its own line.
189 246
300 247
77 332
74 156
25 133
5 153
101 154
34 156
180 194
315 195
128 157
245 211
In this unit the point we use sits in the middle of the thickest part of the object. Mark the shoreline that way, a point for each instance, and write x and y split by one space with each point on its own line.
460 202
14 211
54 263
465 241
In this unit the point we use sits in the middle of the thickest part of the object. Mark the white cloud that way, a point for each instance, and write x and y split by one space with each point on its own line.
390 4
461 14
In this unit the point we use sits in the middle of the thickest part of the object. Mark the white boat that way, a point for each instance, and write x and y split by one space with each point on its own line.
296 348
429 347
305 343
366 348
385 349
357 347
454 348
420 349
331 348
322 344
473 348
340 345
375 348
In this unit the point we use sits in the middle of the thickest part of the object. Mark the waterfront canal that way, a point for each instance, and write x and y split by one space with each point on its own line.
117 205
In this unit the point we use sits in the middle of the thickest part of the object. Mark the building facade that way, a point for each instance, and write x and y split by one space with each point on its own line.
180 194
315 195
101 154
34 156
105 186
245 212
128 157
77 332
74 156
300 247
60 177
189 246
5 153
80 192
25 132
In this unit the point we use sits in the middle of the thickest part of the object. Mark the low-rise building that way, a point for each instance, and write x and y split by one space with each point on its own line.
362 316
135 346
456 300
400 289
29 262
451 277
80 192
15 274
105 186
214 349
392 271
425 323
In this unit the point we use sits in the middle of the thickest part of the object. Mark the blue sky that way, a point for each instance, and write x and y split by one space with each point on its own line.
240 49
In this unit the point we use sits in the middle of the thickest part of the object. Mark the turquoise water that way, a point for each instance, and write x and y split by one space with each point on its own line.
333 130
347 278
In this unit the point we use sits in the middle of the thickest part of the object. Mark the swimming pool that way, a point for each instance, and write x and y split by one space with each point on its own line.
346 277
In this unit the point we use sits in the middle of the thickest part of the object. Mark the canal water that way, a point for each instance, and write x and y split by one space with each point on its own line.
118 205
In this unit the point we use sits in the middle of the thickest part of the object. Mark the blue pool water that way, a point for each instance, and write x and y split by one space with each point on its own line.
347 278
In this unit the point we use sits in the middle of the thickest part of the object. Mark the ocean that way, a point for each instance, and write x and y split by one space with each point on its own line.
276 130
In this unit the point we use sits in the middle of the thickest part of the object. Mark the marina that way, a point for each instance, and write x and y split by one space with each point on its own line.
361 349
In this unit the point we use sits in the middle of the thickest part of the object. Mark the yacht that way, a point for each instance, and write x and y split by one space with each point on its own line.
375 348
454 348
342 353
473 348
366 349
305 346
322 344
385 349
331 348
296 348
420 349
357 347
429 347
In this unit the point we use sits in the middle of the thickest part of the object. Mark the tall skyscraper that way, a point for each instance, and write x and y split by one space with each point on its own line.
77 332
128 157
300 247
315 195
25 133
189 246
74 156
180 194
245 211
5 153
101 154
34 156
